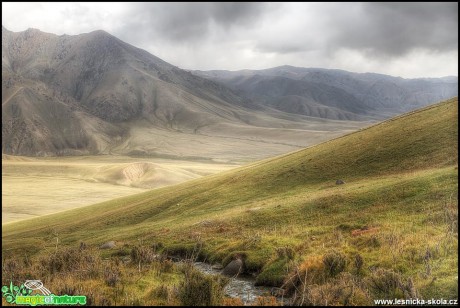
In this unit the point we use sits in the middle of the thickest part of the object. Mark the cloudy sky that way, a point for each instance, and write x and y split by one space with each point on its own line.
400 39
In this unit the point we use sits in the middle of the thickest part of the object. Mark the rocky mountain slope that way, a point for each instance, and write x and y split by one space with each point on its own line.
92 93
334 94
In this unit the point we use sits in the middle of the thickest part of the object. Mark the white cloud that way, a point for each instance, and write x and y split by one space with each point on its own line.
358 37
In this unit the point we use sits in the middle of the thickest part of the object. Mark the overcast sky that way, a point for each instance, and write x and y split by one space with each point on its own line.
399 39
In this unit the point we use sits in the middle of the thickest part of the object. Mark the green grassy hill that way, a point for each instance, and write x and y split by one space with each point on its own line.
396 212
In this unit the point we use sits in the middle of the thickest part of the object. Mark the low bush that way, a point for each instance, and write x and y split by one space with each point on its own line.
85 262
273 273
143 255
112 275
266 301
344 290
334 263
386 283
311 271
199 289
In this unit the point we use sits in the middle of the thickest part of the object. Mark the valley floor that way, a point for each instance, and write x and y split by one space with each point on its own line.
39 186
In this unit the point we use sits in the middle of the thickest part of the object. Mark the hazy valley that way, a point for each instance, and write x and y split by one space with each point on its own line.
58 184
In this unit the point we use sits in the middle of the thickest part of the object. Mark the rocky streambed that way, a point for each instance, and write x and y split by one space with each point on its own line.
241 286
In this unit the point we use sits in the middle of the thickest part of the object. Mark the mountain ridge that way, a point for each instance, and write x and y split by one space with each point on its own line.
354 94
95 94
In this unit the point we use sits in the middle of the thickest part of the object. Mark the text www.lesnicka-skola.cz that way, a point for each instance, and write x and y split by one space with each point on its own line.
415 301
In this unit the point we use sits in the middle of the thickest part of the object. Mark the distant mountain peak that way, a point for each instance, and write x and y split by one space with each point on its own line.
100 33
33 30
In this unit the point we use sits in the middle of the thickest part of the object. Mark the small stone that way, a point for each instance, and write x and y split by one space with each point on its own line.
108 245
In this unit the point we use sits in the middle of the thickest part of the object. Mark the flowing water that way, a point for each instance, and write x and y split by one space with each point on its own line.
242 287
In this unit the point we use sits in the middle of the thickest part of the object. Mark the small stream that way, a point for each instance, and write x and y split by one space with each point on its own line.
242 286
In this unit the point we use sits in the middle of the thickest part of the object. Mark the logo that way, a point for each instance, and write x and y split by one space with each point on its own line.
22 295
36 285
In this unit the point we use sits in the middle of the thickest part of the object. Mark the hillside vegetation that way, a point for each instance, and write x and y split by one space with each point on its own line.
389 231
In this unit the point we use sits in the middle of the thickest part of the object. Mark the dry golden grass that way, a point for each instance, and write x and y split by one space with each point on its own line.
39 186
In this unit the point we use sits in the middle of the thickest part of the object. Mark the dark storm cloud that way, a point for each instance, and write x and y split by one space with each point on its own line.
190 21
394 29
403 39
385 29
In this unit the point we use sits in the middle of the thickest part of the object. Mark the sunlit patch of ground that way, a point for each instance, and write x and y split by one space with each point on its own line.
39 186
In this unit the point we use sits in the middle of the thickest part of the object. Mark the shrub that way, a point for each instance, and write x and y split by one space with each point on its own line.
387 283
162 292
358 262
273 274
70 260
334 263
341 291
166 266
374 242
143 255
232 301
10 266
157 246
311 271
285 252
112 275
186 251
83 246
199 289
266 301
121 252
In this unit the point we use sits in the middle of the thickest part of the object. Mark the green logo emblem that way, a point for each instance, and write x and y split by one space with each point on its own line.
12 292
22 295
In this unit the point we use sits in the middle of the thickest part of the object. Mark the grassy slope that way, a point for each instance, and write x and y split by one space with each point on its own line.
401 179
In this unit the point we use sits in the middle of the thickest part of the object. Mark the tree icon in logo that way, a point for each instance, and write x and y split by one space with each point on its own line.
10 293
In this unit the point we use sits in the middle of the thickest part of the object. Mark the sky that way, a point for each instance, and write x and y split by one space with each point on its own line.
410 40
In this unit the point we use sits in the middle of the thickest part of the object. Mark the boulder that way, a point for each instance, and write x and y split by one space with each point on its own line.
108 245
339 182
233 268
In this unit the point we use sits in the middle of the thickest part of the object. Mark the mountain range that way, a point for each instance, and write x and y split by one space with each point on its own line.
95 94
332 93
